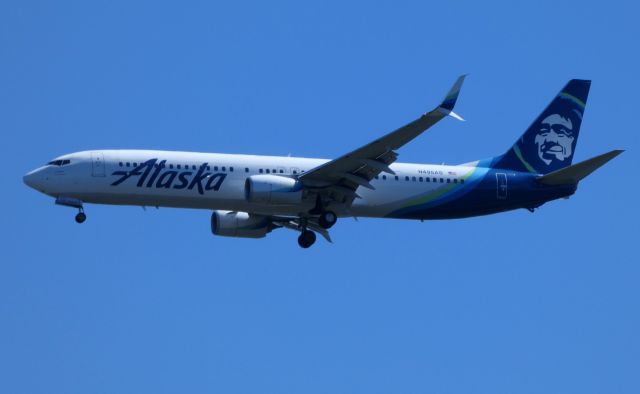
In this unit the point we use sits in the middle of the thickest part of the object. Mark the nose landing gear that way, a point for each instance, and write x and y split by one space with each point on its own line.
81 216
73 203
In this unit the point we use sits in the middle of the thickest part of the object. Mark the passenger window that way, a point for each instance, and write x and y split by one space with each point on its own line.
120 164
231 169
135 164
384 177
413 178
427 179
397 178
193 167
260 170
420 179
179 167
170 165
448 180
215 168
128 164
377 177
406 178
455 180
441 180
275 172
224 169
246 169
461 180
282 171
267 171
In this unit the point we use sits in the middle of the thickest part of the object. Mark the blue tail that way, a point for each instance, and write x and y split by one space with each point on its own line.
549 143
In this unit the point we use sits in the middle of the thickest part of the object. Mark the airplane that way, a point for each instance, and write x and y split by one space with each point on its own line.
252 195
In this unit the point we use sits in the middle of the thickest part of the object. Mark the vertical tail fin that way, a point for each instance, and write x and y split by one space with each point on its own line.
549 143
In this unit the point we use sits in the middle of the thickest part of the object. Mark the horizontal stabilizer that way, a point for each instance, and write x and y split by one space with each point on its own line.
575 173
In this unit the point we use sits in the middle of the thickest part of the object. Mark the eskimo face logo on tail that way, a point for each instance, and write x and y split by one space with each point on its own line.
153 174
555 139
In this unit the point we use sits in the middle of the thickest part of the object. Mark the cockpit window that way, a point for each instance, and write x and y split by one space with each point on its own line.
59 163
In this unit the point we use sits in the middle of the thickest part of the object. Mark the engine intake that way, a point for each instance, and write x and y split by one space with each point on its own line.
240 224
272 189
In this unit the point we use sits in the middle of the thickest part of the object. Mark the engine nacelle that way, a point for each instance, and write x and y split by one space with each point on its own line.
272 189
240 224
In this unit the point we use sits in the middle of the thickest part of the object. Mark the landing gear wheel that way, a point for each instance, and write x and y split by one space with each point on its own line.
306 238
81 217
327 219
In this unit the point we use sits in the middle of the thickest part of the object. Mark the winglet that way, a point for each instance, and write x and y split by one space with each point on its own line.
446 107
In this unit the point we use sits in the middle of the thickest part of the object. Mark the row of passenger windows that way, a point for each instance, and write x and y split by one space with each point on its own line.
181 166
424 179
294 171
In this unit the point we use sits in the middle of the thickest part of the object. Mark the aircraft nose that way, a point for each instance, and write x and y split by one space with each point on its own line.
33 179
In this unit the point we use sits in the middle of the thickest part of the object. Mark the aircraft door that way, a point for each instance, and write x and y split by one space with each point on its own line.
97 164
501 183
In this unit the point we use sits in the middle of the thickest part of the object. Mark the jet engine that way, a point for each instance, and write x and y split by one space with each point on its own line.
272 189
240 224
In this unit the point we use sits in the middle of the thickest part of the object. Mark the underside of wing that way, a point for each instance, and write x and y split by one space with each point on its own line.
337 180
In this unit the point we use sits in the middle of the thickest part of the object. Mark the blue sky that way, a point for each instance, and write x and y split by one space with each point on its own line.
135 301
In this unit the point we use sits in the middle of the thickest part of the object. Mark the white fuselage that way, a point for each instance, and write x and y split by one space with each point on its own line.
170 181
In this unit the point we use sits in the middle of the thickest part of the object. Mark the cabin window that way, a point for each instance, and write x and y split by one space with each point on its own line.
384 177
427 179
231 169
455 180
246 169
275 172
282 171
180 167
268 171
170 165
295 172
406 178
260 170
120 164
461 180
397 178
441 180
128 164
376 177
448 180
135 164
224 169
215 168
420 179
413 178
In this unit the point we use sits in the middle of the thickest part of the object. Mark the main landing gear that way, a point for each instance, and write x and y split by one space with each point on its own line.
327 219
306 238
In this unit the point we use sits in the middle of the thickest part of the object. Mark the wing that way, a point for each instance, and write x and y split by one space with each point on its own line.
338 179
